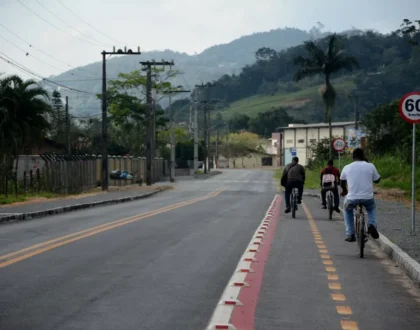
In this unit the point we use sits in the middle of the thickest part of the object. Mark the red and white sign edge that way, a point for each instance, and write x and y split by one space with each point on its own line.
337 139
401 108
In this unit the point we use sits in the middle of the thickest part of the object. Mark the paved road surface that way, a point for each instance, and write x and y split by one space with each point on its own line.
164 263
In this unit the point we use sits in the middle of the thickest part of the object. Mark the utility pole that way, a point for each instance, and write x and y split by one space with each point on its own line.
205 131
195 131
206 117
217 148
151 132
104 173
208 140
68 127
354 96
171 133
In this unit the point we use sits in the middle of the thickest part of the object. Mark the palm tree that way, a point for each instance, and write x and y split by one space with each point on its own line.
327 62
23 120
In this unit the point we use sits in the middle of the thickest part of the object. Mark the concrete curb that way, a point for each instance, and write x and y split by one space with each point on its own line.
75 207
410 266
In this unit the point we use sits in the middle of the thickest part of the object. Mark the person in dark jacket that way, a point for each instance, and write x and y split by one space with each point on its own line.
294 177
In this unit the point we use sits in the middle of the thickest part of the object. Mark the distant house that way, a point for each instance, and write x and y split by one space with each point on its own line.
300 137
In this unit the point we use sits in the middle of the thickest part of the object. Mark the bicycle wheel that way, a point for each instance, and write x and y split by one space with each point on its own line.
330 205
293 204
361 234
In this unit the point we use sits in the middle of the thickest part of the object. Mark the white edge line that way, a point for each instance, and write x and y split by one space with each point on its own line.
223 313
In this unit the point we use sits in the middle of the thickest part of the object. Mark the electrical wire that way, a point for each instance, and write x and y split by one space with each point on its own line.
28 71
81 33
28 54
53 25
81 19
50 56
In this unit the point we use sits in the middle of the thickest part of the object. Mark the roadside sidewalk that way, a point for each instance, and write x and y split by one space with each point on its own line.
43 207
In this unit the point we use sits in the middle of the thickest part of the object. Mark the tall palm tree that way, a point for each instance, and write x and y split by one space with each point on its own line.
23 110
327 62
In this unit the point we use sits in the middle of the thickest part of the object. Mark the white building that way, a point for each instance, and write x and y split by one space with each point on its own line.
299 137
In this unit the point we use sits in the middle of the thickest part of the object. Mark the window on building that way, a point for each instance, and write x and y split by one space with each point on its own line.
267 161
289 141
312 140
301 141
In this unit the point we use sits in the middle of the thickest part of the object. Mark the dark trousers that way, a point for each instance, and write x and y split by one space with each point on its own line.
288 191
336 196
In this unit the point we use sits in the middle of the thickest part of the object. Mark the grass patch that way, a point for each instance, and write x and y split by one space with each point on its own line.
251 106
395 174
25 197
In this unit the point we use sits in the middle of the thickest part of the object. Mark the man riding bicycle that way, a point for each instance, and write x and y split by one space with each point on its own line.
330 176
293 177
358 176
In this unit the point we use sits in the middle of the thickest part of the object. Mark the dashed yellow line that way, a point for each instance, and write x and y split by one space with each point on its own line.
333 279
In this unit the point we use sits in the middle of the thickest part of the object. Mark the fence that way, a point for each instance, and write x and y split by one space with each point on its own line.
76 174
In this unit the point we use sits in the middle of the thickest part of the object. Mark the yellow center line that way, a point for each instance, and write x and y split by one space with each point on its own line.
337 296
64 240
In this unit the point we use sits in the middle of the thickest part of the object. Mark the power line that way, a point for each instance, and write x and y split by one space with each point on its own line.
53 25
119 42
28 54
46 54
94 40
21 67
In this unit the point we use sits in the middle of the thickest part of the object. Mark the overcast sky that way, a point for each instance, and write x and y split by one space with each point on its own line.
183 25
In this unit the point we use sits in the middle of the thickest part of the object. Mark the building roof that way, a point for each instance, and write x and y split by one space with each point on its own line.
319 125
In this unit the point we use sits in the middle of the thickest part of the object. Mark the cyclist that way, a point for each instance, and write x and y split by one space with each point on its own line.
358 176
293 177
330 177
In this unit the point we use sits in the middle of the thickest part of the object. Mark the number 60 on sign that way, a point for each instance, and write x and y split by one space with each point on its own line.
410 107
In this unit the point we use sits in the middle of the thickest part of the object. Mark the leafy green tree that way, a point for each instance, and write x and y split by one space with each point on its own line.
23 116
412 30
327 62
238 122
57 118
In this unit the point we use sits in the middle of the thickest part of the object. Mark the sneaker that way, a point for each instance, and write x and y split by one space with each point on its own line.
324 207
288 210
300 202
337 209
373 232
350 238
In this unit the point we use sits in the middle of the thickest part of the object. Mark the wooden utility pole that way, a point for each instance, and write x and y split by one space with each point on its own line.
171 132
68 127
195 127
104 173
151 131
206 117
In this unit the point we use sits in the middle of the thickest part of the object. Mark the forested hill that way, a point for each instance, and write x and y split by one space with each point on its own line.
389 67
209 65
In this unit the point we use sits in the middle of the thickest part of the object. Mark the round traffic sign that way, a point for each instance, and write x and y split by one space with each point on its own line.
410 107
339 144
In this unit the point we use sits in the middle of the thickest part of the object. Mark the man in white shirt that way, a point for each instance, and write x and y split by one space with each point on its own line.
358 176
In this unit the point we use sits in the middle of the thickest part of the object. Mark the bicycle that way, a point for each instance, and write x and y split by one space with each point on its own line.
330 205
293 201
361 229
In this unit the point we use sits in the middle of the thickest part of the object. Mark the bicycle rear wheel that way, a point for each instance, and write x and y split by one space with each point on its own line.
293 204
330 205
361 234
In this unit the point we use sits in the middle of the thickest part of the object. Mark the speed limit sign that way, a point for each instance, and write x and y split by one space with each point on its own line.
339 144
410 107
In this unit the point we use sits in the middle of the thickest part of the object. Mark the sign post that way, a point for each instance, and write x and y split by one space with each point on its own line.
339 145
410 111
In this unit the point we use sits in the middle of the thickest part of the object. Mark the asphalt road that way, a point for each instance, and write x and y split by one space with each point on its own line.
164 262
